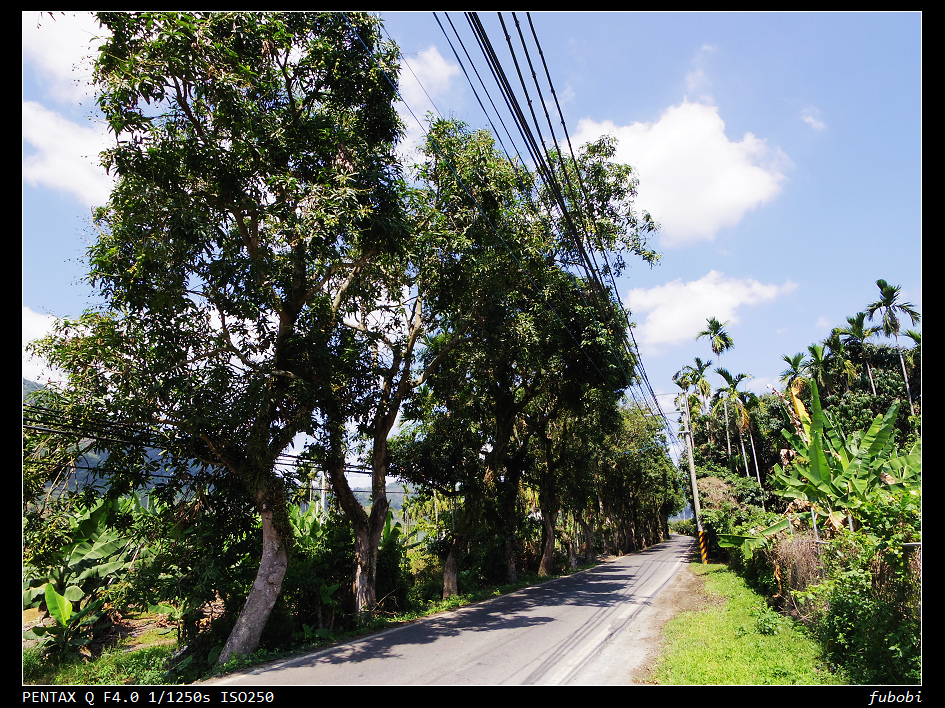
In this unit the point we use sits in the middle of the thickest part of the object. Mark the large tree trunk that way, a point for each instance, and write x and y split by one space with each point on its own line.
365 562
549 517
244 638
462 533
367 535
451 570
508 494
367 538
587 526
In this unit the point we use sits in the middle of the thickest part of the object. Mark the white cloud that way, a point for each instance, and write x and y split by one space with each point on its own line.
58 46
811 116
676 312
424 78
35 326
694 180
58 153
697 80
430 71
66 157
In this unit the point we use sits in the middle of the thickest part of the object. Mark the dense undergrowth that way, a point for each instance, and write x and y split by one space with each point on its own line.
92 576
127 662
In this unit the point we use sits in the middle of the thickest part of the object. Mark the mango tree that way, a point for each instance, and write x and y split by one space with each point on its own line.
256 182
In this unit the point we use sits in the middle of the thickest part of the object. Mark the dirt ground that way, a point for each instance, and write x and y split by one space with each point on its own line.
686 593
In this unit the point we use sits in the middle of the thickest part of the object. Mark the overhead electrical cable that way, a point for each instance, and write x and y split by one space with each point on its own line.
537 154
485 46
591 272
608 269
485 217
531 143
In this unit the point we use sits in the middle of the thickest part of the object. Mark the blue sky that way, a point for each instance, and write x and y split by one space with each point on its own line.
781 153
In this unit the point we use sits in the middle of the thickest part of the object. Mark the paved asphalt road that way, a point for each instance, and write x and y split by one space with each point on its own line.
575 630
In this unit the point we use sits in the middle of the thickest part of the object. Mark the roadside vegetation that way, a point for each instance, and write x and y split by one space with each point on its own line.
812 493
741 641
152 657
271 271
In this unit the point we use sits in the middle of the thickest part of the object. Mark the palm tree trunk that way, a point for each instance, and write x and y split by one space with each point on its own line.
905 376
741 439
869 370
754 457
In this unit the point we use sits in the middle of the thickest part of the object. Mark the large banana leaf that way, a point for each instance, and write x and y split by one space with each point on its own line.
748 543
837 472
59 607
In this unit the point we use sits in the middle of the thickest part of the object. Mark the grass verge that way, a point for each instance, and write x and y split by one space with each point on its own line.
739 642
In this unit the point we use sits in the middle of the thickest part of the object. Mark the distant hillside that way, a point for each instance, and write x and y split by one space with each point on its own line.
91 459
395 496
29 387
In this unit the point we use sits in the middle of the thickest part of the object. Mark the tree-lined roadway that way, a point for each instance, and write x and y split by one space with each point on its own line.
578 629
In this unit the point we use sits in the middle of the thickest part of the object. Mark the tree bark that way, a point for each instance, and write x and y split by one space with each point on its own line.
245 636
451 571
367 539
508 494
588 527
462 533
905 377
548 519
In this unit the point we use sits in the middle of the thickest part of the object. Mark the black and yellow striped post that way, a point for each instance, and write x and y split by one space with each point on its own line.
702 546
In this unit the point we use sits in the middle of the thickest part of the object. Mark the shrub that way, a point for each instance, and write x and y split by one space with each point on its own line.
864 613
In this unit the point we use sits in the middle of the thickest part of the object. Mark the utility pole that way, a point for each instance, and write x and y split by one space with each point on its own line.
692 479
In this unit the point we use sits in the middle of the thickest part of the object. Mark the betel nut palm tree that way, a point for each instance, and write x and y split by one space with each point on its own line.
855 333
890 308
729 392
794 374
720 341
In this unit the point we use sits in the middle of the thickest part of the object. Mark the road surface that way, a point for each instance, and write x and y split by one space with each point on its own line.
590 628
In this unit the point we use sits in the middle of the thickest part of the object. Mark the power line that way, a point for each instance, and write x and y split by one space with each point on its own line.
592 272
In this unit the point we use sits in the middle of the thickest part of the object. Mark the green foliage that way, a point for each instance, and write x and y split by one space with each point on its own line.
749 543
393 569
737 642
867 615
866 609
838 473
198 549
316 597
684 527
72 630
70 581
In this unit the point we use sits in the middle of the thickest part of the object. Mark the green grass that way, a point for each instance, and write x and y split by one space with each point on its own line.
114 667
739 642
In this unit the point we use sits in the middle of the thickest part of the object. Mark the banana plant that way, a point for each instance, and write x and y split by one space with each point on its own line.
73 629
92 557
837 473
306 524
748 543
